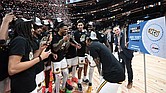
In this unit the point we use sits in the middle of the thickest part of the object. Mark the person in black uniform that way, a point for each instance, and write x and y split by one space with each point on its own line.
38 44
80 37
110 37
21 60
103 38
112 70
59 43
71 56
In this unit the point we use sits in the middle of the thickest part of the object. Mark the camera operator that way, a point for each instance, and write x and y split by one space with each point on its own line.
4 27
4 81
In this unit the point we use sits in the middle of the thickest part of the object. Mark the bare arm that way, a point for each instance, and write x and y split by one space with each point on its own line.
16 66
98 64
4 26
58 45
38 52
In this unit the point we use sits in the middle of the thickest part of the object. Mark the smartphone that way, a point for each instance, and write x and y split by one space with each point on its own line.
48 37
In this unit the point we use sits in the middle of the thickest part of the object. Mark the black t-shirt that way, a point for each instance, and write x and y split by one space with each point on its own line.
4 62
101 37
61 51
111 68
23 82
39 66
80 38
71 51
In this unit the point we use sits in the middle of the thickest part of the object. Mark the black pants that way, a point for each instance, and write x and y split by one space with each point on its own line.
126 62
111 46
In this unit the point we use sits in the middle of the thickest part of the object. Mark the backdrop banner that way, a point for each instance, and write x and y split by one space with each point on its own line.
149 37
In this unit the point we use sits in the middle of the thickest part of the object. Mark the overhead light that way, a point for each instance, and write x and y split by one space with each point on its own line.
147 16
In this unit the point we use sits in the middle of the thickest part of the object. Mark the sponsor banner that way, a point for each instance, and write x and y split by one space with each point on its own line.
149 37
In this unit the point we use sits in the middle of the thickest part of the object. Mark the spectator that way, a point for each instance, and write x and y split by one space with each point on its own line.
80 37
110 37
4 27
3 64
125 55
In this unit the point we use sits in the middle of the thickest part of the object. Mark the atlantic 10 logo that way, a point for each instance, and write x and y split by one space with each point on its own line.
154 32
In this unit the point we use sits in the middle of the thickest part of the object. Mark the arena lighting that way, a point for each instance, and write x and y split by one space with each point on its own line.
115 8
147 16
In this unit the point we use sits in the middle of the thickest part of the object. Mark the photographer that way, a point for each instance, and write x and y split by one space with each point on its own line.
4 81
4 27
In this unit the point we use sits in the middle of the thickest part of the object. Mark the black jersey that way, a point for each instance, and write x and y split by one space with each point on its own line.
71 51
23 82
80 37
101 37
61 51
111 68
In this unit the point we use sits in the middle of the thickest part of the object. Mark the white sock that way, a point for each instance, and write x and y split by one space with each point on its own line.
79 80
57 82
65 77
46 90
73 71
85 77
91 70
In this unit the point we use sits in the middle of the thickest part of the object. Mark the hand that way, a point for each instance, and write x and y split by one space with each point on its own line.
42 46
127 43
78 46
66 38
49 39
9 17
44 54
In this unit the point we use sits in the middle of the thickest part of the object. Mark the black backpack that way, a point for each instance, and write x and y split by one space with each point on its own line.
4 57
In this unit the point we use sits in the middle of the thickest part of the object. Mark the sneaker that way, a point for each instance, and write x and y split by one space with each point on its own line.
89 89
79 87
69 86
68 91
85 81
74 79
129 85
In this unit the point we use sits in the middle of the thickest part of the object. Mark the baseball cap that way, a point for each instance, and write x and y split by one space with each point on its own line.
45 22
25 20
93 36
38 21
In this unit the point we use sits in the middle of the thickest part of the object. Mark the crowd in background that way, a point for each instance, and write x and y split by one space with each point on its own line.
27 9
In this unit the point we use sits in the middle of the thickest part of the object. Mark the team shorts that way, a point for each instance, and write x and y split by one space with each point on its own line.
72 62
40 78
58 66
81 61
107 87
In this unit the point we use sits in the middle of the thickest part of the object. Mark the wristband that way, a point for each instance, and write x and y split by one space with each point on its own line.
40 59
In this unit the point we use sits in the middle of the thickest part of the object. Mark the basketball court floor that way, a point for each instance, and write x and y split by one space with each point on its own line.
155 76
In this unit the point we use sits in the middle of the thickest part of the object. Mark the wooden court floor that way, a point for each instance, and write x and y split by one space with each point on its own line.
155 76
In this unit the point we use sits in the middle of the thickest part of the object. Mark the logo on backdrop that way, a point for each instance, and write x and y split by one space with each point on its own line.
154 32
